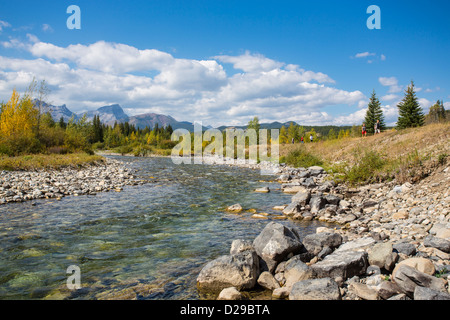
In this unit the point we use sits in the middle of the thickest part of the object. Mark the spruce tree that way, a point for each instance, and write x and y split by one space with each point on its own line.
410 114
373 114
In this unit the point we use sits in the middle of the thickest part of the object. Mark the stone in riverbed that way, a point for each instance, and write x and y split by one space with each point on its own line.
235 208
275 243
239 270
230 294
292 209
294 189
263 190
302 198
315 289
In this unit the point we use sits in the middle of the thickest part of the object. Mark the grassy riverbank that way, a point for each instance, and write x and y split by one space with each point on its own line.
47 161
405 155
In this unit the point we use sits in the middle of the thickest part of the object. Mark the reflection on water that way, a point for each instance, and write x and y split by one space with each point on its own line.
147 242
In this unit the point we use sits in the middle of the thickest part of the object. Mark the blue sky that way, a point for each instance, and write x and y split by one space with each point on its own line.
224 62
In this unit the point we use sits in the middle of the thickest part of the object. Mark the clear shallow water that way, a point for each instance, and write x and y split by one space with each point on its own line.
147 241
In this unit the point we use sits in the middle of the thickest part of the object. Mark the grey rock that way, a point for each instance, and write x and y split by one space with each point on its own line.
332 199
317 203
238 270
422 293
295 270
230 294
380 253
404 247
275 243
315 289
302 198
309 183
388 289
268 281
292 209
315 243
407 278
344 264
240 245
438 243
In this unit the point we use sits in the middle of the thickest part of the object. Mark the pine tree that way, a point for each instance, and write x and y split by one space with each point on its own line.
373 114
410 114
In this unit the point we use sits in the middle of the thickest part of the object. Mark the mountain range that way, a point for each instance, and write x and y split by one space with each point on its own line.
114 113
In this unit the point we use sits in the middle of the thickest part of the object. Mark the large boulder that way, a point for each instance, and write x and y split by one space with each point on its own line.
239 270
275 243
344 264
315 243
419 263
408 278
315 289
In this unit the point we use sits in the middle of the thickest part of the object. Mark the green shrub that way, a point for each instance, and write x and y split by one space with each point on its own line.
301 158
365 169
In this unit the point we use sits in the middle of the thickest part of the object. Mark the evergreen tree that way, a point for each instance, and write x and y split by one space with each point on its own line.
410 113
373 114
62 123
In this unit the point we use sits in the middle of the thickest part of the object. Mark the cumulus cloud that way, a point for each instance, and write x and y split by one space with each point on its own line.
392 83
89 76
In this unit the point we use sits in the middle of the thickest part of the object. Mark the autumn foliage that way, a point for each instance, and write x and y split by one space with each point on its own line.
18 119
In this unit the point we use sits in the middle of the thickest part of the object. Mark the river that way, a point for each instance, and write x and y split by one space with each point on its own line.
146 242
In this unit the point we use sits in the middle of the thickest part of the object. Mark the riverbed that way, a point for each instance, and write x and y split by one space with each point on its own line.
147 242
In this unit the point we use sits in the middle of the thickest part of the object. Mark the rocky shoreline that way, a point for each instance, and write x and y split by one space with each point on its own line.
391 242
102 176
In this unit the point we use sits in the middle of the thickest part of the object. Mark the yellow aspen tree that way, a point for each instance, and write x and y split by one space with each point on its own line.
18 118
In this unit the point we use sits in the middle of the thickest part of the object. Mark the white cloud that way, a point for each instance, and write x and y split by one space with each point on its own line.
392 83
47 28
364 54
390 97
4 24
89 76
383 57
